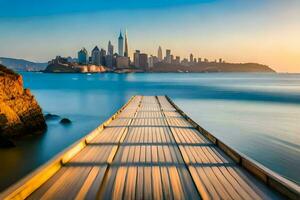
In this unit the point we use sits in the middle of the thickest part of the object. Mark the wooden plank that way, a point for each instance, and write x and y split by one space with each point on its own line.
218 173
150 149
140 184
69 183
87 184
119 183
130 187
157 184
167 190
199 183
92 192
175 183
147 184
248 186
212 191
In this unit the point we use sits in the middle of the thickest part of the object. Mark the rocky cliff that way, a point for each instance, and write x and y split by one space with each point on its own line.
20 113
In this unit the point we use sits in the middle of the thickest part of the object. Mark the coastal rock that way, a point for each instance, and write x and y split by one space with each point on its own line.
65 121
50 116
6 142
20 113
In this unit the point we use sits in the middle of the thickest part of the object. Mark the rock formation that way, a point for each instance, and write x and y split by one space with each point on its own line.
65 121
20 113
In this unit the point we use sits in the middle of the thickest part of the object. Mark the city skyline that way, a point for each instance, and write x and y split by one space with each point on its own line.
123 51
265 31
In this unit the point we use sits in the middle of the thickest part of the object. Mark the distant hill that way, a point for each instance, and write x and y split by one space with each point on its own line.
22 65
213 67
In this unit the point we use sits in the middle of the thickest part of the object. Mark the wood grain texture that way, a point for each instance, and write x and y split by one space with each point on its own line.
150 150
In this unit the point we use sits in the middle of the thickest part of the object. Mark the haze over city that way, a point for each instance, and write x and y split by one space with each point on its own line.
265 31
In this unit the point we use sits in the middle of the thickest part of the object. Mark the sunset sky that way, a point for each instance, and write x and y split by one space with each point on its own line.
263 31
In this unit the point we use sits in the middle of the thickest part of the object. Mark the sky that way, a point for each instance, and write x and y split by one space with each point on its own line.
262 31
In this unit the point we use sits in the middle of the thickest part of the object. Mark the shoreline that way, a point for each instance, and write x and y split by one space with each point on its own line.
160 72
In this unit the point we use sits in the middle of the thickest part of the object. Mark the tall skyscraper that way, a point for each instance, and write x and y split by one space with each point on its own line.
96 56
126 45
102 56
143 59
136 58
82 56
168 56
191 58
177 60
120 45
159 54
110 49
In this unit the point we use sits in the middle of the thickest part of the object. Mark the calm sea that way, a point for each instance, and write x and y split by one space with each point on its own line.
256 114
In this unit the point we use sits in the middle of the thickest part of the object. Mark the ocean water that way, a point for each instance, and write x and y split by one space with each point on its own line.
256 114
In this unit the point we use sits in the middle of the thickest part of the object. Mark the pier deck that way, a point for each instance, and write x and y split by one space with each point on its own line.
151 150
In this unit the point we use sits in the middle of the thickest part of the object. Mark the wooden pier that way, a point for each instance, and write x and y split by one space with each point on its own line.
151 150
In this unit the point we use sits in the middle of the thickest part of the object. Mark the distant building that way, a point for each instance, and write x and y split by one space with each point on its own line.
109 61
126 45
155 60
159 54
168 58
150 62
199 60
96 56
59 60
83 56
205 60
120 45
136 58
102 57
72 60
143 61
122 62
110 49
191 58
185 62
177 60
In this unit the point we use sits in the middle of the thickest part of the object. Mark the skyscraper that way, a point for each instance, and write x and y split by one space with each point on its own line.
143 59
159 54
102 56
177 60
151 61
110 49
126 45
191 58
136 58
168 56
82 56
96 56
120 45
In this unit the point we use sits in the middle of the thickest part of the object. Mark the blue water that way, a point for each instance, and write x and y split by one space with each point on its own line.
256 114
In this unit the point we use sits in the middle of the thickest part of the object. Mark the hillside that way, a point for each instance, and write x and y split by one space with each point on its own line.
22 65
213 67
